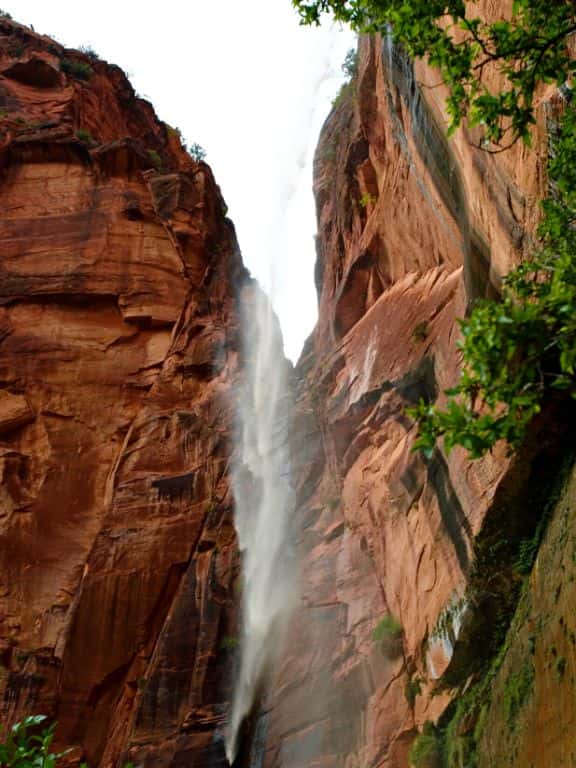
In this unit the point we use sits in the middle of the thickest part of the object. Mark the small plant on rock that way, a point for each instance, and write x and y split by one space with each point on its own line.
84 135
367 199
426 750
229 643
420 332
77 69
87 50
155 159
197 152
413 689
387 636
350 65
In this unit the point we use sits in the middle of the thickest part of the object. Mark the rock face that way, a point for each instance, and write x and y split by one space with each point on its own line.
118 348
412 228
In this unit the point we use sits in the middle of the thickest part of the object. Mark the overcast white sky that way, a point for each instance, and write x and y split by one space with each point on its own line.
244 80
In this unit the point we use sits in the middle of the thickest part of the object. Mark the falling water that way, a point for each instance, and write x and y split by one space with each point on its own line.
264 504
261 476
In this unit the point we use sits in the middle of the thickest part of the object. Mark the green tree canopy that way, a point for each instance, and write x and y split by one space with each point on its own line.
527 48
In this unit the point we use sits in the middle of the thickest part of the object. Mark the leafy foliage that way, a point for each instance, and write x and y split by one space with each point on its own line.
229 643
155 159
521 350
412 690
197 152
387 636
426 750
78 69
350 65
87 50
389 626
420 332
24 747
367 199
84 135
5 15
346 92
526 49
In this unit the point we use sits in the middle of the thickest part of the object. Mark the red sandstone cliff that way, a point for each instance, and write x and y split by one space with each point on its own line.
118 348
412 227
118 345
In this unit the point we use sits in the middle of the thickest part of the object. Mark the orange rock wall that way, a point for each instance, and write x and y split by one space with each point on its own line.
118 349
412 228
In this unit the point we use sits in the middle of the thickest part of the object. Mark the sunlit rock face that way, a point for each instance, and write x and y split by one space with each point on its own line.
118 348
412 228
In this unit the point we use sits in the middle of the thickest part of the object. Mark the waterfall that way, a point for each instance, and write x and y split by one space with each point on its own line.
264 504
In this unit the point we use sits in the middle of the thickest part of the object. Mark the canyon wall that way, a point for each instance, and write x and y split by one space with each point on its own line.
118 349
396 613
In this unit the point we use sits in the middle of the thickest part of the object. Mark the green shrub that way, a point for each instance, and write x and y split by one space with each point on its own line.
426 750
84 135
412 689
78 69
346 91
24 747
196 152
387 636
367 199
5 15
350 65
229 643
420 332
176 132
87 50
155 159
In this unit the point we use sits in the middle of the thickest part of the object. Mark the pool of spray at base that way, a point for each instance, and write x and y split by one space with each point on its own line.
264 505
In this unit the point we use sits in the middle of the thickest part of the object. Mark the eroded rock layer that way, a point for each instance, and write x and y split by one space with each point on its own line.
412 229
118 347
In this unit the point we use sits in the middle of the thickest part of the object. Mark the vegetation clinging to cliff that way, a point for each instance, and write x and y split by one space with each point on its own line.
25 747
525 50
518 352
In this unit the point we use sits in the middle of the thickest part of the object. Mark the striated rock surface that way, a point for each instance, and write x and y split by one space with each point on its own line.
412 228
118 348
